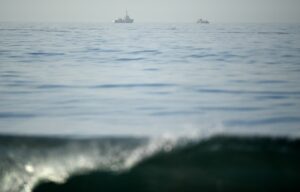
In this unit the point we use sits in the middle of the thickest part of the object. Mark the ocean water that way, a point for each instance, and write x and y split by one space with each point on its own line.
100 97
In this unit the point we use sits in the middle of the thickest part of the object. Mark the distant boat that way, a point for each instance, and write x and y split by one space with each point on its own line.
126 19
202 21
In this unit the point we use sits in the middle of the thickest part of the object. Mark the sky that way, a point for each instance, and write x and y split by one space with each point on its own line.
189 11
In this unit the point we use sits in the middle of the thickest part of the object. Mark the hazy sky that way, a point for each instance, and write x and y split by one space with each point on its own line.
150 10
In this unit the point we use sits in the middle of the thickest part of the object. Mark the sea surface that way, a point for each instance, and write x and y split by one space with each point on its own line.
105 99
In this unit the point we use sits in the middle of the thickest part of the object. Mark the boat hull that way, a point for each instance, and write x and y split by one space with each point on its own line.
116 21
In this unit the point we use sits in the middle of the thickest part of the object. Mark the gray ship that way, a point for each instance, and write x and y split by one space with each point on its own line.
126 19
202 21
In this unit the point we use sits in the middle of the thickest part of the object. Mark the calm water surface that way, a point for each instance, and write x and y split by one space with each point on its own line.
149 79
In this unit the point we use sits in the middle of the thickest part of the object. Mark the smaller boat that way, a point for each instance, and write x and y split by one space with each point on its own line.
202 21
126 19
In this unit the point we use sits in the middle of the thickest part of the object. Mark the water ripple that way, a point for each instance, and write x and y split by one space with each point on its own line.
45 54
266 121
16 115
237 109
154 52
53 86
228 91
130 59
133 85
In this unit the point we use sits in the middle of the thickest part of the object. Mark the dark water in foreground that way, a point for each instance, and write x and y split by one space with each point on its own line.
217 164
149 107
221 163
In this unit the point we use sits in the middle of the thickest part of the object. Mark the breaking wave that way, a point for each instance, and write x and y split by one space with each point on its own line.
218 163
